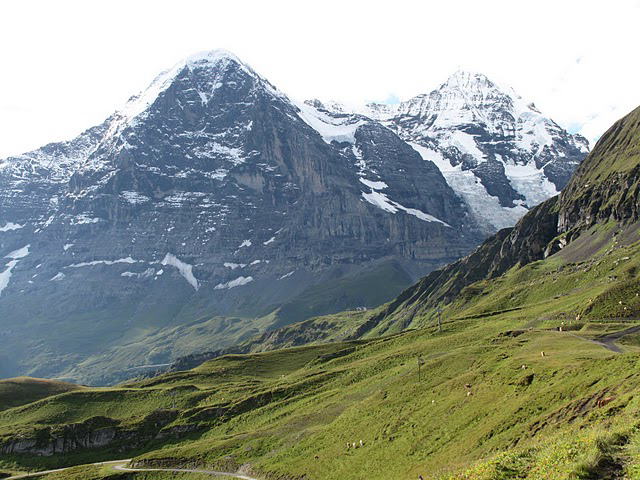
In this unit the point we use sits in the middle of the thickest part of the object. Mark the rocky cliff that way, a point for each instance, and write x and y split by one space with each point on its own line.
604 192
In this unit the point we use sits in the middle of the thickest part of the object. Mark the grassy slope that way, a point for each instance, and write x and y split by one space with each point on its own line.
364 289
617 152
573 412
282 408
23 390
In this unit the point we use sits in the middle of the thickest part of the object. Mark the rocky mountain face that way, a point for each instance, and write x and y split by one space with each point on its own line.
601 202
210 208
497 151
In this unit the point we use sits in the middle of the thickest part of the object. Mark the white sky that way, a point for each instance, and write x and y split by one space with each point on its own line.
66 65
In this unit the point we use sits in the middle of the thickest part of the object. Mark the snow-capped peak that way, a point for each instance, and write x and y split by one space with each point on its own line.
203 73
212 57
214 60
495 149
464 98
466 80
208 65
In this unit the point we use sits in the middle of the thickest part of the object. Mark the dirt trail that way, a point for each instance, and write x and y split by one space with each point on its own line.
608 341
185 470
44 472
121 465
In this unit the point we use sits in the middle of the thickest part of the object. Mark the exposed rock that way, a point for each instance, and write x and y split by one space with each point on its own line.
96 432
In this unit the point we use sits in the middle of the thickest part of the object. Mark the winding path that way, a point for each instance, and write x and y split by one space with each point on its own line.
183 470
608 341
44 472
121 465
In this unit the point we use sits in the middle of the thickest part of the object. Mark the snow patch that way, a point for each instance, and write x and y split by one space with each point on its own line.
245 243
185 269
435 157
104 262
134 198
484 207
19 253
380 200
374 185
466 144
5 276
383 202
15 257
214 149
149 272
534 135
271 240
286 275
530 182
9 226
234 283
233 266
80 220
57 277
67 246
330 128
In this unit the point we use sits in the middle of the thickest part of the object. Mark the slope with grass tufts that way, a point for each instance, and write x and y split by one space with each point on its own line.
535 373
22 390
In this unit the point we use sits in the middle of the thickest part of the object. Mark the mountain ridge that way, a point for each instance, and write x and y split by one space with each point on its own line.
211 198
208 197
562 225
496 150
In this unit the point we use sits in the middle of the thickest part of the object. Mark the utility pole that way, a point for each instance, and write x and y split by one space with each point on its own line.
420 363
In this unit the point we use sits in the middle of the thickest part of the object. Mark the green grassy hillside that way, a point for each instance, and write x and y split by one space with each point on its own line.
149 345
535 373
22 390
572 413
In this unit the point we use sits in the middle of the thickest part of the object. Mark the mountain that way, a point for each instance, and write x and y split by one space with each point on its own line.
532 373
498 152
210 208
599 206
597 214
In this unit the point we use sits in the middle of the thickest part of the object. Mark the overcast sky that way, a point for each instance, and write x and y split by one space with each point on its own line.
66 65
